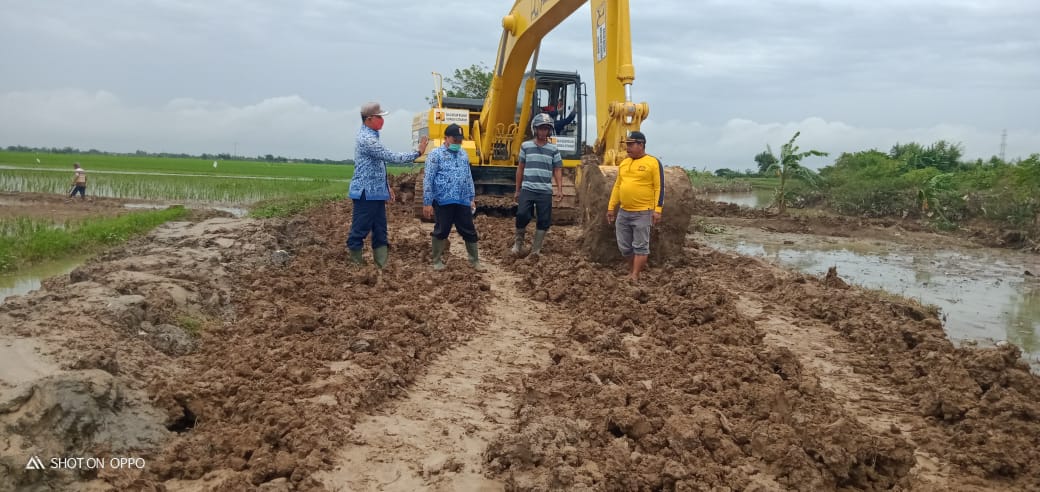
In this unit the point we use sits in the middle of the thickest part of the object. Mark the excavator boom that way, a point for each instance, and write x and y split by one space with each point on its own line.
499 127
519 89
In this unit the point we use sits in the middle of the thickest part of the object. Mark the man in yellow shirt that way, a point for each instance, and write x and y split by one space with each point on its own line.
639 190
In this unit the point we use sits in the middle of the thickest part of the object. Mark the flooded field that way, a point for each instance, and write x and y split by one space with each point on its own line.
986 296
760 198
29 279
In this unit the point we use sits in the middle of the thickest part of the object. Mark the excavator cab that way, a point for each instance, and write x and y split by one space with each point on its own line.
559 95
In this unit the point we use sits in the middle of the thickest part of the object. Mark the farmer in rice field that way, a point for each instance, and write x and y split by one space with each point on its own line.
79 182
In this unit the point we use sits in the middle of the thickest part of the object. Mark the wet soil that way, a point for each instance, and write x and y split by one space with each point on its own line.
237 354
812 221
60 208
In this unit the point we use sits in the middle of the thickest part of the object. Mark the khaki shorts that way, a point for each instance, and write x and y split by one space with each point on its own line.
632 230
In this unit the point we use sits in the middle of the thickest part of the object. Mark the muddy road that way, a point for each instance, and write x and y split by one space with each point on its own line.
236 354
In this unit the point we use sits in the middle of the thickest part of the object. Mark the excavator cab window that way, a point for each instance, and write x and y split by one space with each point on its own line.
558 94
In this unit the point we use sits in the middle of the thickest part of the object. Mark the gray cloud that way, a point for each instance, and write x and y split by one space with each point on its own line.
722 80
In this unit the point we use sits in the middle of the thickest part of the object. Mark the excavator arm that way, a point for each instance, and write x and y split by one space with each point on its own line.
498 132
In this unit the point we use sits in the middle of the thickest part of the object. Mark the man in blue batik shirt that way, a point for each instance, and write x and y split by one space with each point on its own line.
369 188
448 197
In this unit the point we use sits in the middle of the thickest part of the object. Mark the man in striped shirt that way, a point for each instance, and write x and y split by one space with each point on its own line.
540 166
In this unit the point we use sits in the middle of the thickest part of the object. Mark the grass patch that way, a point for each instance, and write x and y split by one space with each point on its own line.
190 325
33 241
292 205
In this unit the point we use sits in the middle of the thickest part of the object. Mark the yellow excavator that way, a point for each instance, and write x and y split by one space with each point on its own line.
496 126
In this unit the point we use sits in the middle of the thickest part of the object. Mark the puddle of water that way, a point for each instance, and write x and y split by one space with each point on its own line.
28 279
751 199
984 295
234 211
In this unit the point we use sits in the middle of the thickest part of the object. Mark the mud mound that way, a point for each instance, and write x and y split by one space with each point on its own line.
978 402
667 238
258 346
663 385
256 341
313 344
79 414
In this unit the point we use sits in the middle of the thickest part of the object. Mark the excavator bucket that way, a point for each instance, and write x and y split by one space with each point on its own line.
667 238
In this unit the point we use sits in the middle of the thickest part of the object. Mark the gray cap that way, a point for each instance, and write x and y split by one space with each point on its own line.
541 119
372 109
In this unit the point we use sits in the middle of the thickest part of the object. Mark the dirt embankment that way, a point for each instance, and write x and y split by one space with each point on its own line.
243 352
980 233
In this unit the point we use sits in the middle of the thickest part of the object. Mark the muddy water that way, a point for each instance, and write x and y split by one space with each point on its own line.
234 211
751 199
986 296
28 279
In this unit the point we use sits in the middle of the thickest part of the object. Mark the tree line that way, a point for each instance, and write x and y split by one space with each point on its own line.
217 157
911 180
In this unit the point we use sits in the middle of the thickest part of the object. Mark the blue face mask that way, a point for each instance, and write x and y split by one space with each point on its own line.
454 147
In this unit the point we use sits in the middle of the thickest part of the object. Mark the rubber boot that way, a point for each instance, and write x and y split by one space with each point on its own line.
474 258
518 243
356 256
438 252
380 255
536 245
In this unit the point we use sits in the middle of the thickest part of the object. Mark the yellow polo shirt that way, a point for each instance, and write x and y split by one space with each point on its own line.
639 185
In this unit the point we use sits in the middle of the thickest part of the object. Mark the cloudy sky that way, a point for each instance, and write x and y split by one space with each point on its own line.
723 79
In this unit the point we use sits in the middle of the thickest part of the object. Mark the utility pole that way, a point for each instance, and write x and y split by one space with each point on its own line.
1003 144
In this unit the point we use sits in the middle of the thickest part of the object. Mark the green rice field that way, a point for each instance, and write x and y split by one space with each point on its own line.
159 178
209 189
149 164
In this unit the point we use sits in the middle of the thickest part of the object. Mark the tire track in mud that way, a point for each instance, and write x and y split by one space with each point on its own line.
825 356
830 358
435 438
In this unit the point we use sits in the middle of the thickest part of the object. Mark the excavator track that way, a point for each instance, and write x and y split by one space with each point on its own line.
495 194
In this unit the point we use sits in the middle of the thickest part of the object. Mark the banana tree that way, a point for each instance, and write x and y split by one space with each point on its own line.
929 193
789 166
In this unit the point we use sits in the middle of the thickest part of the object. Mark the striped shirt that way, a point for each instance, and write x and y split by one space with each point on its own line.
539 163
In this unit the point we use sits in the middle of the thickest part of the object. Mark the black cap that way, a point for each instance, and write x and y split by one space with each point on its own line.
635 137
453 130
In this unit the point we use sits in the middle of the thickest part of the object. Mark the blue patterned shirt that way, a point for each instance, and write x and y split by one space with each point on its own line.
448 179
370 158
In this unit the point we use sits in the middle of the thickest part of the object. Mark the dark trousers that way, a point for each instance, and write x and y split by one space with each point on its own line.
81 189
369 216
537 204
461 216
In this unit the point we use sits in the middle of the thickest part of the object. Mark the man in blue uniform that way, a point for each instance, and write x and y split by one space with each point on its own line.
448 197
369 188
